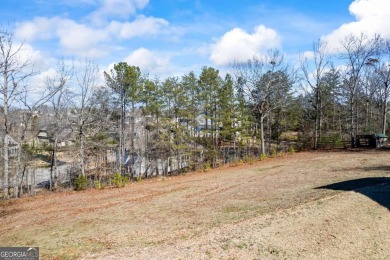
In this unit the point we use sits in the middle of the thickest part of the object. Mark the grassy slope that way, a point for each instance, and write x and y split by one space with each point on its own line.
271 209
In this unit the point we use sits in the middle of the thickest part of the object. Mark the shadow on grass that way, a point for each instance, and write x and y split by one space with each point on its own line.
377 168
376 188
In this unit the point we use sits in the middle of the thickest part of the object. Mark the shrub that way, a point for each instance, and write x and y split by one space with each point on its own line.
331 141
235 162
252 159
99 185
125 180
291 149
263 156
207 166
81 182
117 180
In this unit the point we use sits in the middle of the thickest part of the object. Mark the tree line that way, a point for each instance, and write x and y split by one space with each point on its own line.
132 126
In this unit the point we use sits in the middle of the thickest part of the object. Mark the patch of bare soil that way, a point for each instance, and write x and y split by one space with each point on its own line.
320 205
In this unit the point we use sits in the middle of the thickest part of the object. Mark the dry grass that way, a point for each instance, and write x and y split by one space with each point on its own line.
271 209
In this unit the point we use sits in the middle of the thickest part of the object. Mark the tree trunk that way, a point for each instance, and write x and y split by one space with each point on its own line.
120 165
25 173
317 118
384 119
356 118
17 174
262 143
20 184
269 126
82 162
316 131
27 182
352 121
33 183
5 141
320 117
132 133
6 165
51 170
54 170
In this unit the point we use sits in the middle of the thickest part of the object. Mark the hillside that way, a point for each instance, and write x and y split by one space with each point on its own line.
333 205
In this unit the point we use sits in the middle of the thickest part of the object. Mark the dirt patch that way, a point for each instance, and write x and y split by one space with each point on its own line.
278 208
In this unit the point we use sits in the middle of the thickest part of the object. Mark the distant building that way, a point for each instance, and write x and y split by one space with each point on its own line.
13 146
42 135
65 135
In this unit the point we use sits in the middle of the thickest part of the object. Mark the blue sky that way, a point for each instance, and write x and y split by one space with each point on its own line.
173 37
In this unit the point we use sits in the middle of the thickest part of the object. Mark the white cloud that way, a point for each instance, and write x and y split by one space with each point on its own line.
79 38
238 45
40 28
76 38
25 53
31 61
372 18
117 8
84 40
308 55
38 81
142 25
36 85
28 59
98 33
149 62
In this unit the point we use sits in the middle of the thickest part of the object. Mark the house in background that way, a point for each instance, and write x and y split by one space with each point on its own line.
13 146
65 136
42 136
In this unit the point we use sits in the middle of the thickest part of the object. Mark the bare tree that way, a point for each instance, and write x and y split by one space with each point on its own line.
29 106
59 104
357 51
314 71
265 82
382 70
87 85
14 70
101 131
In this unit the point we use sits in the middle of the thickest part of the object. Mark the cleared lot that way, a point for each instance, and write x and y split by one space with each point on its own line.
308 205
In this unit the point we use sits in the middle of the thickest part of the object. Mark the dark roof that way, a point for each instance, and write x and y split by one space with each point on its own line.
64 135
